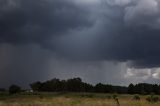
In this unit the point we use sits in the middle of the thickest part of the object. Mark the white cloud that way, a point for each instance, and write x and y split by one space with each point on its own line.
156 74
138 73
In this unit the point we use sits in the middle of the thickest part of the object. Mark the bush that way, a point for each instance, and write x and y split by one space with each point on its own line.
14 89
149 99
155 99
114 96
152 98
117 101
136 97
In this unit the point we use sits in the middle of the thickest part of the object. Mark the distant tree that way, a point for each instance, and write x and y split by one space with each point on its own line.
101 88
156 89
36 86
14 89
131 89
120 89
87 87
77 85
2 89
143 88
53 85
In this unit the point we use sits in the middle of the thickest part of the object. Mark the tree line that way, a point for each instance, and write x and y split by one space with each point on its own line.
77 85
144 88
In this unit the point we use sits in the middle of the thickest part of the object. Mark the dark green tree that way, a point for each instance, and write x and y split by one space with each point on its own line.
14 89
131 89
36 86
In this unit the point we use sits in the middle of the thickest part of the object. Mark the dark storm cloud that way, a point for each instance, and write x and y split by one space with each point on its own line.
109 41
137 38
117 30
125 30
138 45
38 21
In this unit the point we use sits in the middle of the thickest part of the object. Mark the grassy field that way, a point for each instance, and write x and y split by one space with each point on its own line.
71 99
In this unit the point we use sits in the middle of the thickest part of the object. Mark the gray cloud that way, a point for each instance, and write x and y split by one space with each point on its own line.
38 21
36 35
120 30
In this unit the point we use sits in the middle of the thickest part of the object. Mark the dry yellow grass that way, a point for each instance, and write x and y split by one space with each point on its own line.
73 100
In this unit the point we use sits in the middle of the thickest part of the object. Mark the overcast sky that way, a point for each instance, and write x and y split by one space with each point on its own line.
109 41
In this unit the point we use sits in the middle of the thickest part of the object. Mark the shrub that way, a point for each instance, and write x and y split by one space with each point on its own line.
114 96
152 98
155 99
136 97
14 89
117 101
149 99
